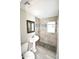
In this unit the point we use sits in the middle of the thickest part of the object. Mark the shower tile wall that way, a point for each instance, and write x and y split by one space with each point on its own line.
37 26
41 30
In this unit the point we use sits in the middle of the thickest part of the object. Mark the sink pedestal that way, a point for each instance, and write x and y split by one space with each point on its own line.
34 47
33 41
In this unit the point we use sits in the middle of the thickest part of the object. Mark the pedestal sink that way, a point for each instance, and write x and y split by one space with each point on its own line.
33 40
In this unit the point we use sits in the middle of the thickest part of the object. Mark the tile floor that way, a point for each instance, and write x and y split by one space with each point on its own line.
43 53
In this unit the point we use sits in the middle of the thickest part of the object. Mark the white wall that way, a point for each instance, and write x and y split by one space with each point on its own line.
23 17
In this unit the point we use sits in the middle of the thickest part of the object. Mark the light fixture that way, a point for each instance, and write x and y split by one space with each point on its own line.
27 2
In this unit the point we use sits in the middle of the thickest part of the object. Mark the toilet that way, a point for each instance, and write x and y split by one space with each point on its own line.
27 54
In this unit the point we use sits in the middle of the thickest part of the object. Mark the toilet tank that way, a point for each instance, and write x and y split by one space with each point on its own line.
24 47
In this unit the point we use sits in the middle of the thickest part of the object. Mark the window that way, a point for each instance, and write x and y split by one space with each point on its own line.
51 27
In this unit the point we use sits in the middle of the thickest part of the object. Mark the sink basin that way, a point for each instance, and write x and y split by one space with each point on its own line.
33 40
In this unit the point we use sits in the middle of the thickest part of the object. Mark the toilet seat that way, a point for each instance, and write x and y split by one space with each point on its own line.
29 55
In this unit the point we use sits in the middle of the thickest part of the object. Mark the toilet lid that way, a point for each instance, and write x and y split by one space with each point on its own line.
29 55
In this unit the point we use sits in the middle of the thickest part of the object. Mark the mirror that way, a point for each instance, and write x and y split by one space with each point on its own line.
30 26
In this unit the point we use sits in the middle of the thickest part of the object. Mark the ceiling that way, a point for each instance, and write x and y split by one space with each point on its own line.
43 8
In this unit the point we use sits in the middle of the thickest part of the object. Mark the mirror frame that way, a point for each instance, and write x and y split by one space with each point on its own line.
30 26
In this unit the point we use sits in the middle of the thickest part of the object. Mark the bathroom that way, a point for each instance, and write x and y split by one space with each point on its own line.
39 30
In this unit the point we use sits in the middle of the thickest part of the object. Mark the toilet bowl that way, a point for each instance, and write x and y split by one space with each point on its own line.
29 55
